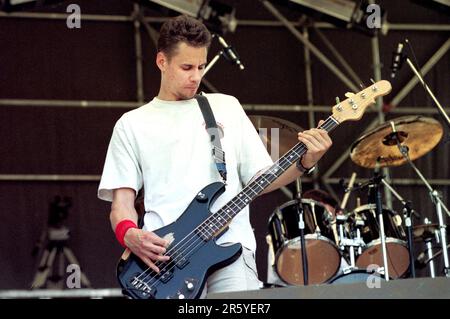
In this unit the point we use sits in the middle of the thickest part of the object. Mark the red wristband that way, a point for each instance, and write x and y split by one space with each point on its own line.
122 228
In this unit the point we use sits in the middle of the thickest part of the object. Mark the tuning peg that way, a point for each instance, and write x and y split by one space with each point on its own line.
371 80
338 100
349 94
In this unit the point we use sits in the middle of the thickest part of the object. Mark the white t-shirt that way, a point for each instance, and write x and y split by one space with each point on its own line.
164 146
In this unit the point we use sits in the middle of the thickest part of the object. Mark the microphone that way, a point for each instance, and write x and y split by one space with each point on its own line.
230 52
397 60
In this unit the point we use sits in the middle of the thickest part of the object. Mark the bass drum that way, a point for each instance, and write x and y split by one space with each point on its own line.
322 253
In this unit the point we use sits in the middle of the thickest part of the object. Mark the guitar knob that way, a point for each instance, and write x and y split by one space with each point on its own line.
180 296
189 285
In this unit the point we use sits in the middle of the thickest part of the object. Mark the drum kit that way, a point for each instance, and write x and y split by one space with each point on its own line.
342 245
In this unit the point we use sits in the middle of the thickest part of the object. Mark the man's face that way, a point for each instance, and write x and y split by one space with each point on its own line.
182 72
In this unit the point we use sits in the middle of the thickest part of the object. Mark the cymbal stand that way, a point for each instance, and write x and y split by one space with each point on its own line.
375 196
407 212
435 198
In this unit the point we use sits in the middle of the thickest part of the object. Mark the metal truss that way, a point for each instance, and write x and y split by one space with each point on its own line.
352 83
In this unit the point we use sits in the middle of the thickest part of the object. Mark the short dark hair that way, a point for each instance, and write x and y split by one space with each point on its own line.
182 29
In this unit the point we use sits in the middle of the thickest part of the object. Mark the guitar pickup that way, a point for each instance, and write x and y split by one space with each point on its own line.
180 260
166 276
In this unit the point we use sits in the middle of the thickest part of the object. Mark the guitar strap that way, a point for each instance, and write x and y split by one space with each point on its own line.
211 127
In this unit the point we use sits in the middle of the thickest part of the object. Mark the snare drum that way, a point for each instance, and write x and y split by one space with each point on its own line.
322 253
396 246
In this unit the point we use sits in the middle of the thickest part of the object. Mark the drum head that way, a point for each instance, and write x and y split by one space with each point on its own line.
323 258
396 246
397 256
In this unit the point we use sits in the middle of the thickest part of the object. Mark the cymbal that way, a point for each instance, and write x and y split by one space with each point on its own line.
287 133
418 133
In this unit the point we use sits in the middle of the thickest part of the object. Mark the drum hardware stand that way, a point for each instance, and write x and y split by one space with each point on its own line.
429 246
375 196
429 250
407 212
340 220
56 249
436 198
348 242
430 259
301 226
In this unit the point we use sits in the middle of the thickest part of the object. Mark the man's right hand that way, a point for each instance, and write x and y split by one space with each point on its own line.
148 246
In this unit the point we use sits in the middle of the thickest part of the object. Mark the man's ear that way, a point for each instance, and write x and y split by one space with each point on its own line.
161 61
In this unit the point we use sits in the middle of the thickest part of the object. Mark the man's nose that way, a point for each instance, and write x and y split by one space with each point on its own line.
196 76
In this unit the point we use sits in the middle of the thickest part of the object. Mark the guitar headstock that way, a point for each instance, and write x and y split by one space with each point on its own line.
353 108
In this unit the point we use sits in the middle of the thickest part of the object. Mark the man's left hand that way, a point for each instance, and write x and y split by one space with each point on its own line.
317 141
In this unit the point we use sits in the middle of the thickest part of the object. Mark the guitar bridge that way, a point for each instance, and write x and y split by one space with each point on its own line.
142 288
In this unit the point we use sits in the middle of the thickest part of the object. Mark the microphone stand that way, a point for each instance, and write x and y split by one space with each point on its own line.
407 211
435 198
427 89
301 226
227 51
213 61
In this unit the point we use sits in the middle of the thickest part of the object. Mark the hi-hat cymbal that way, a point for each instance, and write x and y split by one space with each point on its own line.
286 138
418 133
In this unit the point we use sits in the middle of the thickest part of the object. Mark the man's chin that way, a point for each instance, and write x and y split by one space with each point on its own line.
186 96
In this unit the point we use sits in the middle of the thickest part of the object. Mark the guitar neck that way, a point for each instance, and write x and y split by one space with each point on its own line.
224 215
